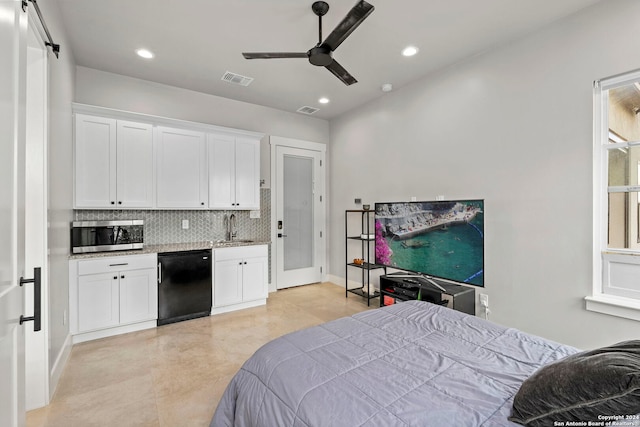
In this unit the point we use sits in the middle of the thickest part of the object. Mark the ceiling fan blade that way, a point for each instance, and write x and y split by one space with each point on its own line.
339 71
350 22
270 55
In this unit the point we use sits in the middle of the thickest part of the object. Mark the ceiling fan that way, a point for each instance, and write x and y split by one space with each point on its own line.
322 54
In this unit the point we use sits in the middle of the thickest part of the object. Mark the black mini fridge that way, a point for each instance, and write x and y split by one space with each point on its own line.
184 285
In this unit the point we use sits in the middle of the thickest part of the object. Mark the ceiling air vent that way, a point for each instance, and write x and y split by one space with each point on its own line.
236 79
307 110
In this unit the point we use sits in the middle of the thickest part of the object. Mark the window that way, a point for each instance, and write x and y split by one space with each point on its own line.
616 247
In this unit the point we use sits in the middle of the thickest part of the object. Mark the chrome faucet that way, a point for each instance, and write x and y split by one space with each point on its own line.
231 227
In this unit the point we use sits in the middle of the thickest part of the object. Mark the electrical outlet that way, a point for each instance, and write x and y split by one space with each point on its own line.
414 199
440 197
185 224
484 300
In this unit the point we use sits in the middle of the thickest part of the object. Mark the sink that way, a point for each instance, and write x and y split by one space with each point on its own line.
232 242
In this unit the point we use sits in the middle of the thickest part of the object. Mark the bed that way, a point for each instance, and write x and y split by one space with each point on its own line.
409 364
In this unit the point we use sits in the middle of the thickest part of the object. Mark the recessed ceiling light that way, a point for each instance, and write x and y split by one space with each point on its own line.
144 53
410 51
323 100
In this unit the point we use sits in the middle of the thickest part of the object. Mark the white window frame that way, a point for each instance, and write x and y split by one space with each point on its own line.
620 264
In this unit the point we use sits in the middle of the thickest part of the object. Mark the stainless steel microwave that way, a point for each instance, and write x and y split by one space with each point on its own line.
105 236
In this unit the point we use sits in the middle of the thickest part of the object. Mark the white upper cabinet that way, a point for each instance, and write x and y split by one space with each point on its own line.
247 173
135 165
222 180
234 172
113 163
95 162
125 160
181 169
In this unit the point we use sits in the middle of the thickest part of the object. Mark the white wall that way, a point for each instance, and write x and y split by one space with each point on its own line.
514 127
60 214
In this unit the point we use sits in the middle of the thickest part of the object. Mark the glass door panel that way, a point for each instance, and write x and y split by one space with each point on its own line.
298 212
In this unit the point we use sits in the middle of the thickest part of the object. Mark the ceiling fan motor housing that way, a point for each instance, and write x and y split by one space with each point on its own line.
320 56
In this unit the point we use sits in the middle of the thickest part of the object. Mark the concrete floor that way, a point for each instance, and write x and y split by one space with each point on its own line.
174 375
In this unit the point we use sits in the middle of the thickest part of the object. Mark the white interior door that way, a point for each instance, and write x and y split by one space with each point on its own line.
299 216
13 39
36 343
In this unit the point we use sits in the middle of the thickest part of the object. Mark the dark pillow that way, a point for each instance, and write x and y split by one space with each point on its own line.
584 387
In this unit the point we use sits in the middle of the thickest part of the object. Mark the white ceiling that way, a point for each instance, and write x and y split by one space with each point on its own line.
196 41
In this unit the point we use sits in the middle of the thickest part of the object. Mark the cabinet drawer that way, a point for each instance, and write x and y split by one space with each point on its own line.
240 252
116 263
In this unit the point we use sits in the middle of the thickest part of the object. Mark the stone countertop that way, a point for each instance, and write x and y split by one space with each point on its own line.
173 247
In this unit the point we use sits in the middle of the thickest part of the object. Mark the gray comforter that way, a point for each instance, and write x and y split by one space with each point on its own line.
409 364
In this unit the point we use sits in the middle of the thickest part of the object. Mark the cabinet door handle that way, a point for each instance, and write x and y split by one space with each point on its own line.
159 273
115 277
122 277
116 265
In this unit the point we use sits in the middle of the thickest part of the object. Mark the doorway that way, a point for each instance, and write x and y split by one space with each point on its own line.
298 230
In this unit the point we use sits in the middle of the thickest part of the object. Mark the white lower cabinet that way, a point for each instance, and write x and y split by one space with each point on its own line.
240 277
112 295
118 294
98 302
139 295
227 281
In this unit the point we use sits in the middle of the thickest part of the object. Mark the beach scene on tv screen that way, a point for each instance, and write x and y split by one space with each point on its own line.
441 239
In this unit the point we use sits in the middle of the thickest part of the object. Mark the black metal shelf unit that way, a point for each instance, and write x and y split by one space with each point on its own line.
366 236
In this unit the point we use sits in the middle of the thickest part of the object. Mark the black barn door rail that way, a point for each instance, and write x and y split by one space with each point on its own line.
54 47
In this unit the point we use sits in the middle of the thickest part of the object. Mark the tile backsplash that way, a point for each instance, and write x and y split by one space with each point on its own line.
166 226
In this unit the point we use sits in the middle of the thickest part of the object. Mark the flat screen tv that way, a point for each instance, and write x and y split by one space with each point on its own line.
441 239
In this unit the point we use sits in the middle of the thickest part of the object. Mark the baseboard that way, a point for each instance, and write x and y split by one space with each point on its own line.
239 306
353 284
338 281
58 366
116 330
